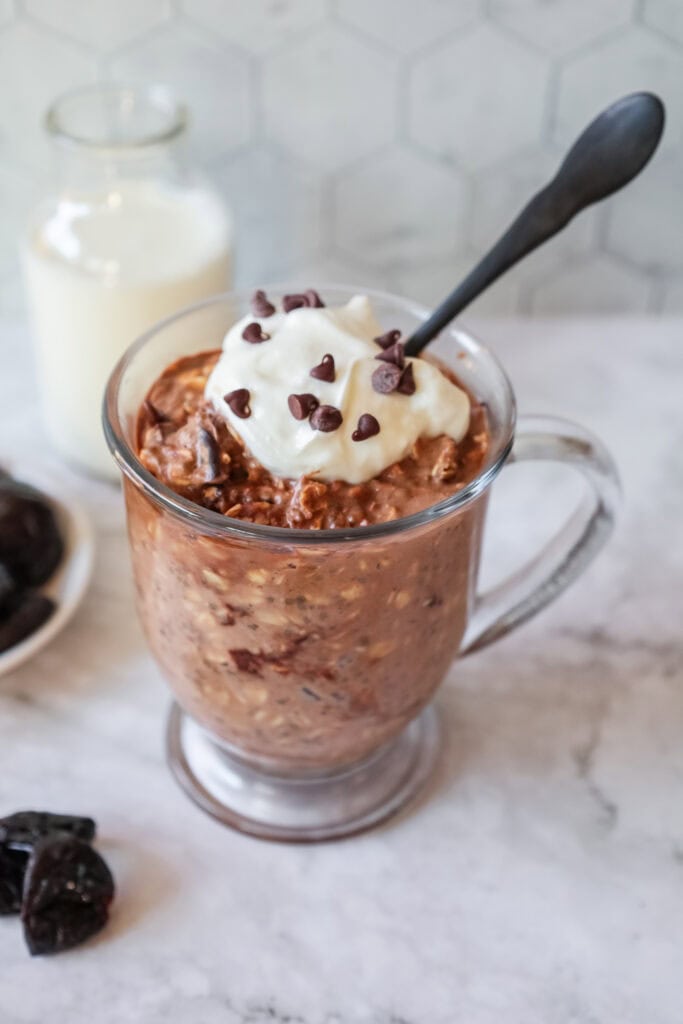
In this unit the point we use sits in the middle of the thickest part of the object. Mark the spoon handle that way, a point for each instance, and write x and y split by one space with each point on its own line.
608 154
540 219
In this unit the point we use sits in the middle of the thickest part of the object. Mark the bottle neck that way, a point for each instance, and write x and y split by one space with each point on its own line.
104 134
80 168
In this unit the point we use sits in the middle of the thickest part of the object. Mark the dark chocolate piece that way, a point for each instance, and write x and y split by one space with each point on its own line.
208 455
238 400
326 418
394 354
290 302
260 306
154 414
254 334
67 893
388 339
368 426
386 378
301 406
300 300
406 384
325 370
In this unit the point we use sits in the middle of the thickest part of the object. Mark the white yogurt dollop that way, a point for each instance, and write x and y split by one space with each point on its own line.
272 370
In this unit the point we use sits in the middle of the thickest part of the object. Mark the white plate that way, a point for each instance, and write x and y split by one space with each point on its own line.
69 583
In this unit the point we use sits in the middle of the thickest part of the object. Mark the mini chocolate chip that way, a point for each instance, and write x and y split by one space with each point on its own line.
301 406
238 400
260 306
326 418
325 369
290 302
386 378
254 333
368 426
388 339
394 354
314 299
407 383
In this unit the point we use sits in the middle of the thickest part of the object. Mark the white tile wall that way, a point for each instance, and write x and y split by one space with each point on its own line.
379 141
97 25
330 98
478 97
418 209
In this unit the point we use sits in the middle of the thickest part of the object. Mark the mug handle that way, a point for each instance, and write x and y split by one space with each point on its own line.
562 559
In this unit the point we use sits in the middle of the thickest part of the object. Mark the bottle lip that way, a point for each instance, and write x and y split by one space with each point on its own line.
116 117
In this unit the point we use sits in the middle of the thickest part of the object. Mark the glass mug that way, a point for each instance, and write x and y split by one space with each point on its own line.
304 662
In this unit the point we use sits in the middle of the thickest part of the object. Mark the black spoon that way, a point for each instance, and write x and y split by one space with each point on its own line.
611 151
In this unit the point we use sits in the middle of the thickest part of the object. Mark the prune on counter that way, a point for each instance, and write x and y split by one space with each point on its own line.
12 871
31 546
31 610
67 893
22 830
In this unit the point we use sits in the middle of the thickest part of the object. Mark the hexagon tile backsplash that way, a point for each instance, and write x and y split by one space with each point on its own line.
384 142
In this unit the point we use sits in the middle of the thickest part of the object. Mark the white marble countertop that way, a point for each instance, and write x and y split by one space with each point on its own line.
539 883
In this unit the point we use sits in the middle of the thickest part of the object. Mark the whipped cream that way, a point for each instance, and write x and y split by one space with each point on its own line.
275 369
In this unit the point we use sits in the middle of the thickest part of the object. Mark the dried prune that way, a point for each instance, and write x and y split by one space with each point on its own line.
30 611
12 871
31 546
67 893
9 592
22 830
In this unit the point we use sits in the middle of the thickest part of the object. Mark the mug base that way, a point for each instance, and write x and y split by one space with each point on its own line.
306 808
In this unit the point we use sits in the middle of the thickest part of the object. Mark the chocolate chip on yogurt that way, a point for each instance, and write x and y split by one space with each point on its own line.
314 299
300 300
290 302
386 378
388 339
301 406
254 334
394 354
326 418
406 384
325 370
260 306
238 400
367 427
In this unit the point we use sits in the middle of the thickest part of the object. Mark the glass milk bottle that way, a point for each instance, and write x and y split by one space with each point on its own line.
130 234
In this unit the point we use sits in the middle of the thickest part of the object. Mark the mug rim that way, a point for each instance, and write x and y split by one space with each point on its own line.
208 521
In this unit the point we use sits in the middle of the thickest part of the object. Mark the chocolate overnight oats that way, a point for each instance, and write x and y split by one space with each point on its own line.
311 419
